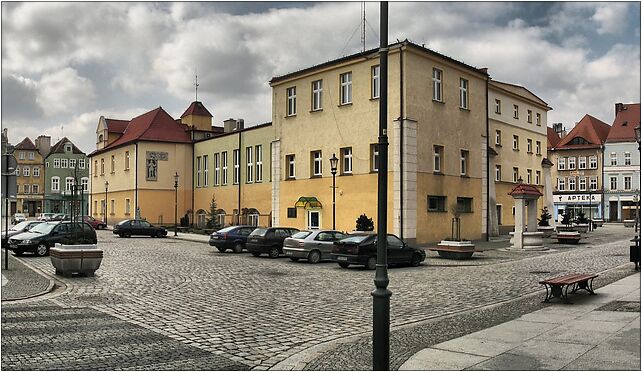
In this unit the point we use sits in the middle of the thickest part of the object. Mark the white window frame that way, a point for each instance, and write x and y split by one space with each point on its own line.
317 95
613 182
21 155
592 162
309 220
112 164
529 116
437 150
217 169
515 142
529 176
376 81
198 171
571 184
571 163
34 188
36 171
463 162
538 119
317 163
126 160
629 179
437 86
498 173
249 159
291 101
56 163
581 162
613 158
498 106
32 156
515 174
72 163
81 163
561 163
290 160
26 189
627 158
26 171
561 184
224 168
581 184
346 160
529 145
69 183
538 147
463 93
84 182
515 112
206 182
345 93
375 158
236 159
55 184
498 137
259 163
593 183
538 177
64 163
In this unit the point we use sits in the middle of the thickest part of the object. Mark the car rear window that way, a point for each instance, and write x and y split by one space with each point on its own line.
301 234
259 232
226 229
355 239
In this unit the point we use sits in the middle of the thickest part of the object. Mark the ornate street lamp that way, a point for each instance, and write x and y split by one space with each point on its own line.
106 188
175 202
333 169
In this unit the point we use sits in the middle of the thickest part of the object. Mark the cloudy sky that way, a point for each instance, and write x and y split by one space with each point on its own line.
66 64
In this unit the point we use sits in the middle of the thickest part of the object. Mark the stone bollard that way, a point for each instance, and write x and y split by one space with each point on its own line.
71 259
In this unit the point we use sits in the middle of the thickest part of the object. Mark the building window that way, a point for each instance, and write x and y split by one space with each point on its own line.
593 183
127 206
249 170
25 171
112 205
36 171
289 159
72 163
64 163
198 171
581 162
81 163
529 145
26 189
627 158
102 166
374 158
436 85
436 203
571 184
571 163
259 163
561 184
55 184
317 95
126 160
21 155
498 172
582 183
291 212
346 160
627 183
613 158
95 168
34 189
463 162
498 106
538 119
31 155
515 142
224 162
56 163
529 116
113 164
515 111
17 170
84 182
515 174
375 72
538 147
206 170
593 162
613 183
561 163
529 176
438 152
346 88
217 169
69 183
465 205
316 163
67 148
538 177
463 93
291 94
498 137
95 206
236 158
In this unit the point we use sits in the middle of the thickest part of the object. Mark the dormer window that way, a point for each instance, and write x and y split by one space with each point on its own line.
67 148
100 138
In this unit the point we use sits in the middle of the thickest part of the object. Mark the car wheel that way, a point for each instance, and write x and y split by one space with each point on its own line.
42 250
221 249
314 257
238 248
274 252
344 265
295 259
416 260
127 234
372 263
256 254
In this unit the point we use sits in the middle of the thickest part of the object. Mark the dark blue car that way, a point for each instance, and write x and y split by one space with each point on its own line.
231 237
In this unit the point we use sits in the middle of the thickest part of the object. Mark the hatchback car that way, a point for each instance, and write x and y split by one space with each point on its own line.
96 224
45 216
268 240
313 245
17 229
127 228
18 217
46 234
361 249
231 237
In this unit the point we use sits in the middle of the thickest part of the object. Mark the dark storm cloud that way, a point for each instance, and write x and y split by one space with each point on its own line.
19 99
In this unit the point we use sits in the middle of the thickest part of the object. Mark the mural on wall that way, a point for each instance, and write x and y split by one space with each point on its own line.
152 159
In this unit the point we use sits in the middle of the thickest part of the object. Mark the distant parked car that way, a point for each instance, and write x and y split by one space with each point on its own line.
268 240
59 217
313 245
127 228
231 237
45 216
46 234
96 224
18 217
17 229
361 249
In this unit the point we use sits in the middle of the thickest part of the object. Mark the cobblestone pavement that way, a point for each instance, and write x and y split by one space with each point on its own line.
21 281
260 311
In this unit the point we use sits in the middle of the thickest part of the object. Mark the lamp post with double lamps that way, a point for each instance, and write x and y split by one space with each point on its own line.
175 202
333 169
106 188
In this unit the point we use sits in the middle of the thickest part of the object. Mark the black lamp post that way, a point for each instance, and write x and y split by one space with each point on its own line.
106 187
175 202
333 169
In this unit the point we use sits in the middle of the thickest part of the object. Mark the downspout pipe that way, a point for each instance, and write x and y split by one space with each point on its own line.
135 185
401 125
192 173
240 182
488 179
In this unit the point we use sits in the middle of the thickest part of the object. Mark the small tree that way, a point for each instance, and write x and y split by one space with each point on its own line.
364 223
581 218
566 219
212 220
545 217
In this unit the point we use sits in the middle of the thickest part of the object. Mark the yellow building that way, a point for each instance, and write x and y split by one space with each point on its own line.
234 169
30 177
133 167
517 131
437 134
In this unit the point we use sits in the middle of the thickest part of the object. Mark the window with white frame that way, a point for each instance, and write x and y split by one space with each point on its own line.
72 163
581 162
436 85
35 188
374 158
249 170
498 172
438 152
25 171
529 176
613 158
126 160
112 167
102 166
21 155
613 183
224 168
538 177
498 106
67 148
55 184
515 142
32 155
561 184
571 162
236 158
515 112
571 184
206 166
217 168
515 174
498 137
538 147
593 183
56 163
128 206
84 182
463 93
36 171
561 163
346 88
26 189
317 95
346 160
529 145
259 163
463 162
64 163
291 164
375 72
627 183
538 119
582 183
291 102
593 162
529 116
69 183
317 163
627 158
198 171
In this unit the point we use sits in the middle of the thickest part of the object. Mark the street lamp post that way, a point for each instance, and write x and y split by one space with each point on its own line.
333 169
106 188
175 202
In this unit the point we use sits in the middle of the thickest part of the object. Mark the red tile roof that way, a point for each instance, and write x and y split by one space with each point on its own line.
627 117
25 144
552 137
591 129
116 126
525 189
196 108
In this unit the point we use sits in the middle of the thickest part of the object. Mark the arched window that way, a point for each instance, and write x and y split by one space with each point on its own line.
252 217
100 138
220 217
201 220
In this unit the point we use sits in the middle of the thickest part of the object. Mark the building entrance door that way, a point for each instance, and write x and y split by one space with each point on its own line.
613 211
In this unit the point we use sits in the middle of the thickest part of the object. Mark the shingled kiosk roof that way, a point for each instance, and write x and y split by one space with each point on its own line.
525 189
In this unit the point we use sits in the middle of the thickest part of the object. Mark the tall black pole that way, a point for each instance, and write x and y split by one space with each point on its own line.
175 204
334 209
381 294
6 212
106 186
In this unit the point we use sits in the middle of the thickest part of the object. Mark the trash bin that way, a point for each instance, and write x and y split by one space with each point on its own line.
634 252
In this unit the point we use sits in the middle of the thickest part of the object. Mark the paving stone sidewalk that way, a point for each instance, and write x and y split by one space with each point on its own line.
21 282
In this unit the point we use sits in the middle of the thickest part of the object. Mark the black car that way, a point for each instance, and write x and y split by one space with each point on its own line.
46 234
231 237
361 249
127 228
17 229
268 240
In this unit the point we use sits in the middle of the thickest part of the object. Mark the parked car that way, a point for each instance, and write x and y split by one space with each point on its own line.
361 249
96 224
46 234
268 240
313 245
18 217
231 237
127 228
17 229
45 216
59 217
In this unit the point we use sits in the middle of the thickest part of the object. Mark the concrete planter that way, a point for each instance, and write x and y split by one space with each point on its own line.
455 250
531 241
581 228
629 223
598 222
568 237
547 231
71 259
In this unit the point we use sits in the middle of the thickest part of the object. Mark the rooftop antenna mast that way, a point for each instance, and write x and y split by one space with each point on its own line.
196 84
363 26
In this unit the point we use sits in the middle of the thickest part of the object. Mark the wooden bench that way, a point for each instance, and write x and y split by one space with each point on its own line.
558 287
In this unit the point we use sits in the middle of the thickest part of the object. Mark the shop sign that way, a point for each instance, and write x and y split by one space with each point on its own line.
577 198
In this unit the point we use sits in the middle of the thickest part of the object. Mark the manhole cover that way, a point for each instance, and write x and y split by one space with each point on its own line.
539 272
626 306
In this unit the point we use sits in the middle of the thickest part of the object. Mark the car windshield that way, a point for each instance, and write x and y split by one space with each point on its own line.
43 228
355 239
259 232
20 226
301 234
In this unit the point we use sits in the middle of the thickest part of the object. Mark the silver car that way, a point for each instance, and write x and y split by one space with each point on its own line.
313 245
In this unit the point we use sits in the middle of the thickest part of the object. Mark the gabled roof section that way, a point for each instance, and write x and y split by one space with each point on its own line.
116 126
552 137
627 117
196 108
523 189
59 147
520 91
591 129
25 144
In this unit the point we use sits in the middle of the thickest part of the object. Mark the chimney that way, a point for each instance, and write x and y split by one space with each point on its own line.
229 125
619 107
240 124
43 143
